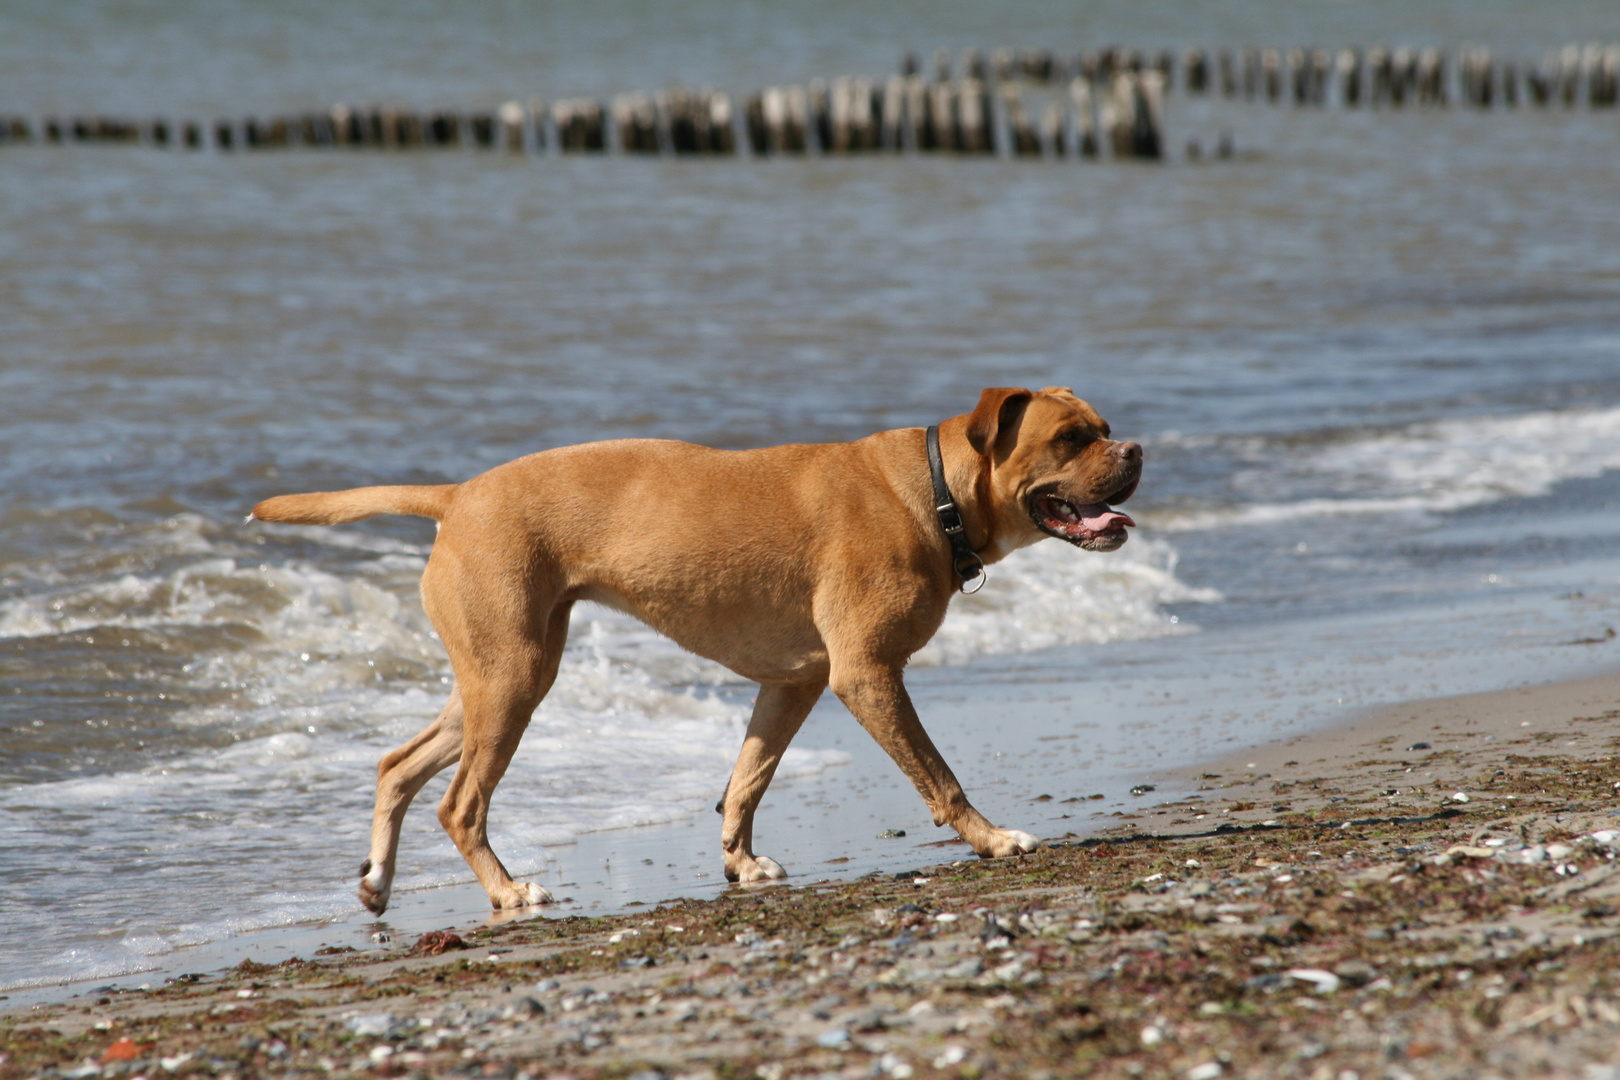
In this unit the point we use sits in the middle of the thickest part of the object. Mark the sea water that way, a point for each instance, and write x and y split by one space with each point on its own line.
1374 361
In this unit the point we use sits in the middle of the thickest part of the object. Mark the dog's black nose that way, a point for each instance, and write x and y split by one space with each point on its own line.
1128 451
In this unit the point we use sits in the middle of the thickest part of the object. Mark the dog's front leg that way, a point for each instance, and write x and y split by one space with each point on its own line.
877 696
779 711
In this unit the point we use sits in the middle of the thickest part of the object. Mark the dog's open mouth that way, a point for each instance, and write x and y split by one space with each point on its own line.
1088 525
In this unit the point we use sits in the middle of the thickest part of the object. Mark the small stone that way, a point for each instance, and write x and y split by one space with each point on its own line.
891 834
836 1039
1209 1070
1143 789
1459 796
1325 981
1152 1036
1418 746
371 1024
1355 972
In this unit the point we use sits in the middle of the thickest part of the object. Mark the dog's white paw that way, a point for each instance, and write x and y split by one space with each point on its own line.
757 869
1007 842
375 888
521 894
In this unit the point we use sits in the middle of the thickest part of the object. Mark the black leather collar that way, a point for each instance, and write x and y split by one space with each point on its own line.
964 560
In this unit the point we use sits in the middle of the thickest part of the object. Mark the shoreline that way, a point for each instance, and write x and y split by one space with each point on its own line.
1323 902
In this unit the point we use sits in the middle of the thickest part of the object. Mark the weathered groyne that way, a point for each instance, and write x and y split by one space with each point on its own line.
903 114
1377 76
1102 103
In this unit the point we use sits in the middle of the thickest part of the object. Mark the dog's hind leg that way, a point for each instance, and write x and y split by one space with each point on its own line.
400 776
500 690
779 711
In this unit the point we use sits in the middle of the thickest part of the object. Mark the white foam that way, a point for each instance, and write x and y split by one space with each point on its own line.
1052 594
1434 467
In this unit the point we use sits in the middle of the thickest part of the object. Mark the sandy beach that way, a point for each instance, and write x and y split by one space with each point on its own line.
1429 892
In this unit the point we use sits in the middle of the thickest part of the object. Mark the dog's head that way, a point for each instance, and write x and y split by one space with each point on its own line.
1052 469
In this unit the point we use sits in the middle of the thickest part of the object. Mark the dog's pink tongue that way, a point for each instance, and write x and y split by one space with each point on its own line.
1098 517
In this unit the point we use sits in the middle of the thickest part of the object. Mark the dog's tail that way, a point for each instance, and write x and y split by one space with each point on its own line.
357 504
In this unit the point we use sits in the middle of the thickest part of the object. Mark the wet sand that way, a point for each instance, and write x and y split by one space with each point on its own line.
1344 900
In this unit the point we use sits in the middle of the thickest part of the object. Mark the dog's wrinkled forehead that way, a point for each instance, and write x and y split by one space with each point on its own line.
1064 400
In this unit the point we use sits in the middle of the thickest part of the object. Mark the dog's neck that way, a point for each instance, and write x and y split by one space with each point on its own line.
968 476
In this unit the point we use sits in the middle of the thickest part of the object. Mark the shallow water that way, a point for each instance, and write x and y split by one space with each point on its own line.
1375 362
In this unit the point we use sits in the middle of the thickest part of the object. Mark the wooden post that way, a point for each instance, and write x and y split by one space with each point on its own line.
1195 66
1431 77
1271 69
444 129
1604 92
892 132
580 127
512 121
1025 142
722 124
1380 74
1403 81
1299 76
1052 129
1474 72
753 124
784 118
388 129
1569 74
636 120
1540 82
1083 120
224 134
973 118
1350 78
1133 115
1321 62
849 116
916 131
941 118
820 127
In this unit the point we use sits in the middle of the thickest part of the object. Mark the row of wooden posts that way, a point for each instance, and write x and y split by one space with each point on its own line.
1107 102
1123 118
1353 77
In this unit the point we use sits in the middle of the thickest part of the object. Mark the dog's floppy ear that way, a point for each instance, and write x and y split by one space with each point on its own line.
993 427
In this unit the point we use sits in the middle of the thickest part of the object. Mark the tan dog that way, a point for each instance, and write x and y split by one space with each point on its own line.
799 567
